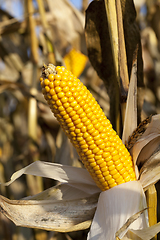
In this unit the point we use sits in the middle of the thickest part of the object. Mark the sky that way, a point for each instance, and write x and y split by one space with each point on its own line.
77 3
17 11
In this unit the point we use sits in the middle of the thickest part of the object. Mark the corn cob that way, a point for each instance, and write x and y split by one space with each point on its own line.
75 61
80 116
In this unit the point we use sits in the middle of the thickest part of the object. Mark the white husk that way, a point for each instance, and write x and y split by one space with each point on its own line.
114 208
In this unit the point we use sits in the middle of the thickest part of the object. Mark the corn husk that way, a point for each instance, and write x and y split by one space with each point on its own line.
114 208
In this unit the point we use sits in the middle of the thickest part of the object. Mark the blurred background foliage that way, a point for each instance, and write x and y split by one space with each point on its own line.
33 32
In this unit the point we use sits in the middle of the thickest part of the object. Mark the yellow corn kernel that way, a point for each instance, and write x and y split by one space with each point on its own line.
100 149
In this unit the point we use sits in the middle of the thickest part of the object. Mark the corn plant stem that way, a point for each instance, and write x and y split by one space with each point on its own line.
49 44
84 5
42 14
122 60
2 176
32 106
113 32
32 113
151 196
33 37
32 116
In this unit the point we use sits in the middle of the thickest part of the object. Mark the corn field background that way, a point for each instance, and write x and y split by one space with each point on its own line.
47 31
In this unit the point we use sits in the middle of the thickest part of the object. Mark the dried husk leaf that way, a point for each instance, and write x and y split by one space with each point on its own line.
127 224
154 126
53 215
76 177
152 143
147 143
69 206
150 171
147 233
61 192
130 122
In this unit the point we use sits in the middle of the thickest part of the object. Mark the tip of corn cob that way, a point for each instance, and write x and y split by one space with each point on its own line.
80 116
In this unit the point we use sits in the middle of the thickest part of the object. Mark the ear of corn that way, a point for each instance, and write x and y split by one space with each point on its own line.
80 116
75 61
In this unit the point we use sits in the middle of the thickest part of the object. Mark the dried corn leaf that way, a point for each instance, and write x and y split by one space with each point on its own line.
61 192
13 52
76 177
61 216
68 32
99 49
154 17
98 43
99 46
65 207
